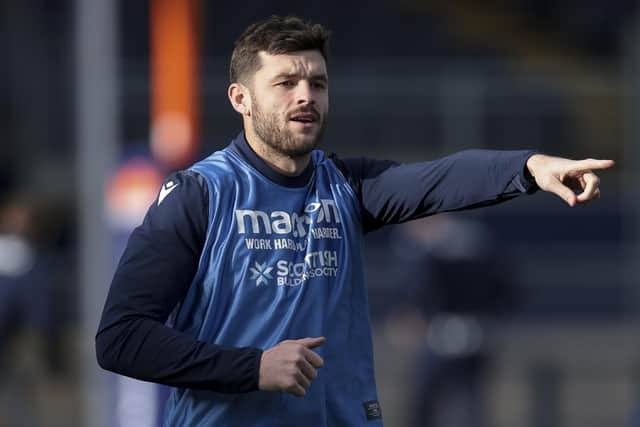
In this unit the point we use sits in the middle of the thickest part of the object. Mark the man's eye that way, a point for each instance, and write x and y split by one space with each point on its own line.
319 85
286 83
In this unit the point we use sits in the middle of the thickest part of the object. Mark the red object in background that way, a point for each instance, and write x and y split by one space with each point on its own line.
130 191
174 81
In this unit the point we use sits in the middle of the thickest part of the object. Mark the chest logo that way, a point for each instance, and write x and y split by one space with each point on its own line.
324 213
261 273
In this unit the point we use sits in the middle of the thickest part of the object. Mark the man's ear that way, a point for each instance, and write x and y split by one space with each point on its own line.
240 98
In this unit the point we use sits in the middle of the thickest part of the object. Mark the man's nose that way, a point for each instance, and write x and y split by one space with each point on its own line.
304 94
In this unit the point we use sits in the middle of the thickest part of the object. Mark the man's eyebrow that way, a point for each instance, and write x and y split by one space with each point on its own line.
320 76
323 77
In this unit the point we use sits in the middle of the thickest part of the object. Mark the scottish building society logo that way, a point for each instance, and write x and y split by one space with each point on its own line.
261 273
319 264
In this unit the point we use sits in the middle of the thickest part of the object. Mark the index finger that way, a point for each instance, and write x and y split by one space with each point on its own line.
313 358
594 164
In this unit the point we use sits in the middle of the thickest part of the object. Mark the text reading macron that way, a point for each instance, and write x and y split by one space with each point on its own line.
256 221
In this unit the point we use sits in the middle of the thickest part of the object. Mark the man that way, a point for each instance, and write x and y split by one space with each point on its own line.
243 288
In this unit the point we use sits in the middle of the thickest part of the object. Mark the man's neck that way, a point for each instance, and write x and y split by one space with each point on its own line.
279 162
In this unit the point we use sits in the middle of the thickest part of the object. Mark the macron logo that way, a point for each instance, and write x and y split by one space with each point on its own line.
281 222
167 188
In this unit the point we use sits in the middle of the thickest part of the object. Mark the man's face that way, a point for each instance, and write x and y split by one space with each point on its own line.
290 101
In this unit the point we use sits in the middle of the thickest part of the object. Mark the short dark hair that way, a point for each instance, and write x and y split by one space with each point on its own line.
275 35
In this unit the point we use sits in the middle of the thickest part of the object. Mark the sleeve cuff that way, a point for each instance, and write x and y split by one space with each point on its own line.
524 181
255 369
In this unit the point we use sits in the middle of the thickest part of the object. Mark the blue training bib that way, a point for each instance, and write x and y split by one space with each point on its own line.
281 263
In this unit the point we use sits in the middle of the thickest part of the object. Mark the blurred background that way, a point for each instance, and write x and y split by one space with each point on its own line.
523 314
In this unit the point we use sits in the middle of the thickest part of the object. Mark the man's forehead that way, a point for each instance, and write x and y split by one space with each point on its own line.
304 62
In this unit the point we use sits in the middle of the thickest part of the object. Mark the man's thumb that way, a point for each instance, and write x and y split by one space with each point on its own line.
312 342
563 192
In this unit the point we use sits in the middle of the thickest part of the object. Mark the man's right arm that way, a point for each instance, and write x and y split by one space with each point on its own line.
153 275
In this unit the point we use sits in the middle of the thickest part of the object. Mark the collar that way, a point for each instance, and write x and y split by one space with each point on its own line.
242 147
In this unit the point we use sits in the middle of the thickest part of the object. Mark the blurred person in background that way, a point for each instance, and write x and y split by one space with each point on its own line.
27 325
455 289
246 275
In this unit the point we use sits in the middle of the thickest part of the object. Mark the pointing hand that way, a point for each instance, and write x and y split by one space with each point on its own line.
557 175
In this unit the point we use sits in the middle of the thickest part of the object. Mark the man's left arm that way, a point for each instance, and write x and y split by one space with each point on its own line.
391 193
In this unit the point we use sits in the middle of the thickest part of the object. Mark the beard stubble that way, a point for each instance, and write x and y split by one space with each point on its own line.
277 136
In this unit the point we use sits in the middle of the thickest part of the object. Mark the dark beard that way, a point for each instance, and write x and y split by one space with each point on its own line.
279 138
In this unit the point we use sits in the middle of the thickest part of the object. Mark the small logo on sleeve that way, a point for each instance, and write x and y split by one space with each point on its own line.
372 410
167 188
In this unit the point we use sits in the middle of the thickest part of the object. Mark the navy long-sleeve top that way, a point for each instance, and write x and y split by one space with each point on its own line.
162 255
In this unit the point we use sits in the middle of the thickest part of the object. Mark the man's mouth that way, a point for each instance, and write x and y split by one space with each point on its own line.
304 117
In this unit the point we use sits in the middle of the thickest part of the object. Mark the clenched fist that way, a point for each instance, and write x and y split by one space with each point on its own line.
290 366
